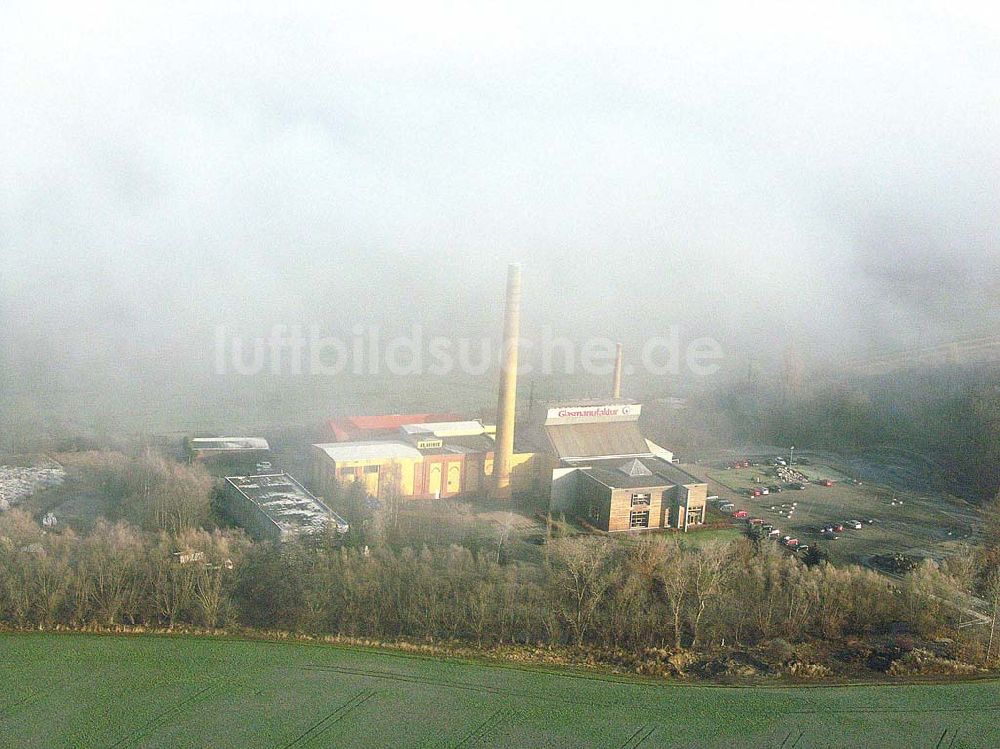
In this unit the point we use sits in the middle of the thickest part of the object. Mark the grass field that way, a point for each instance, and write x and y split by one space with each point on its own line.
145 691
709 535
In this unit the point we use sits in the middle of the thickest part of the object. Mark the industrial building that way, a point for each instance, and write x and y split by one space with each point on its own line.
276 507
358 428
423 461
611 476
228 455
588 457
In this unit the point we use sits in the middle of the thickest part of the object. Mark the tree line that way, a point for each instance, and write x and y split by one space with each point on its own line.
163 557
634 593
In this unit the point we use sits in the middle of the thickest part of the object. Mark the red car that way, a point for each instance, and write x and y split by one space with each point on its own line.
838 527
740 514
826 482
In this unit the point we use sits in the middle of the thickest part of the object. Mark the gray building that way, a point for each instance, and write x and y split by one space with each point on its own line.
277 507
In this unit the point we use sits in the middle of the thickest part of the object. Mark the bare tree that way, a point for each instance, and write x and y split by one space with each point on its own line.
663 561
579 567
708 569
110 562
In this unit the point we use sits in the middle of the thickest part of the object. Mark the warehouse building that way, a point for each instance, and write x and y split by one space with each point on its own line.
276 507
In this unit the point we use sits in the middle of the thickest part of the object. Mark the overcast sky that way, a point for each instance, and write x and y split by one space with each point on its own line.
751 171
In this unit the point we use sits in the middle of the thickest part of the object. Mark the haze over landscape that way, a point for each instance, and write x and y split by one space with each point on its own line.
760 175
449 374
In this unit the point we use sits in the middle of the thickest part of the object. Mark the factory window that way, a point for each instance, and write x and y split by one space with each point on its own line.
640 499
594 512
371 469
639 519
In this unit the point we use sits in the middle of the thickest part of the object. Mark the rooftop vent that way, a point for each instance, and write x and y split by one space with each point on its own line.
634 468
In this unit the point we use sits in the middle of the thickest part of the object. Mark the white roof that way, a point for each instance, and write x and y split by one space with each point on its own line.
368 450
446 428
229 443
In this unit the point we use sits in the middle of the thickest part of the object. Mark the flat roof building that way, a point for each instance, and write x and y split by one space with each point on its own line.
427 460
227 444
228 455
277 507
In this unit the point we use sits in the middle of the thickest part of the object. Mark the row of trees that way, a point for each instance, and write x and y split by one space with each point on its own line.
633 593
116 574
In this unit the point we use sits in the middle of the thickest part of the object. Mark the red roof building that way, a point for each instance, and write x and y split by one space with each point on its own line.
353 428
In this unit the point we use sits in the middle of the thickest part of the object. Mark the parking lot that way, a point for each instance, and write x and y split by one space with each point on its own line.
923 524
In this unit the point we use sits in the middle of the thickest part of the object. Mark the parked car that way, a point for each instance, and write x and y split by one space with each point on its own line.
838 527
830 536
755 521
825 482
774 532
775 489
855 524
802 548
740 514
764 490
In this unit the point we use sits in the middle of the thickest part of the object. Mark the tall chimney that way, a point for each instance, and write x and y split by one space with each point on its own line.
503 454
616 382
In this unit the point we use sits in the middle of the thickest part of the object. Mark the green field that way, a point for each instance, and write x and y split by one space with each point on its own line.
145 691
700 537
